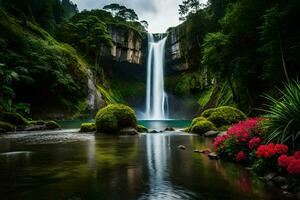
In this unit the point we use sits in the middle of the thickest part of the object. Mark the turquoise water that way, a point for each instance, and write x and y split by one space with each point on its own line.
67 165
157 125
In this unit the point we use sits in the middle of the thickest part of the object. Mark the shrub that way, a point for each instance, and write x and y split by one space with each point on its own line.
13 118
52 125
240 140
7 127
284 116
114 117
202 126
142 129
266 157
271 150
87 127
224 115
290 163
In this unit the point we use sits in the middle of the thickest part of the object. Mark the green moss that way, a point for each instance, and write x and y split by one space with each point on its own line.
195 120
224 115
108 95
142 129
52 125
7 127
13 118
114 117
88 127
39 122
202 126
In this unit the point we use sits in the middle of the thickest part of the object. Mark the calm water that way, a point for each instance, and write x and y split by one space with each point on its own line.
158 124
67 165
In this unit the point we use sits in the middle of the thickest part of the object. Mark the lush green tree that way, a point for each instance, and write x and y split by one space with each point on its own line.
145 24
122 12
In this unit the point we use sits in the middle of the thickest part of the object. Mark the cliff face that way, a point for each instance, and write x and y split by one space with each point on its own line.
127 46
175 60
125 65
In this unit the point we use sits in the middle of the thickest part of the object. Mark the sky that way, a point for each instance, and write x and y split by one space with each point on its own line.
160 14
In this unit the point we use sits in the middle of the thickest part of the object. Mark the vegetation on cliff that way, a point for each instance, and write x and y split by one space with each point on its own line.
243 43
40 75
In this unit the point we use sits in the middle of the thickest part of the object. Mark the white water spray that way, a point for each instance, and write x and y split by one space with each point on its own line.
156 98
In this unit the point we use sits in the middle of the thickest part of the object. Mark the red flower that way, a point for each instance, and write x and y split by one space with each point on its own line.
269 150
240 156
284 161
219 140
294 167
297 155
254 142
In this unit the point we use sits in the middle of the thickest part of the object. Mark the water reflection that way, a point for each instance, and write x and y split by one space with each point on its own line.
160 185
77 166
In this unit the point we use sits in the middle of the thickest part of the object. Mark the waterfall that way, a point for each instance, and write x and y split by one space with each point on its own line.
156 98
94 99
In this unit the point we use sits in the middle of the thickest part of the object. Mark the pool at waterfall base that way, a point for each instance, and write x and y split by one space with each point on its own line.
65 164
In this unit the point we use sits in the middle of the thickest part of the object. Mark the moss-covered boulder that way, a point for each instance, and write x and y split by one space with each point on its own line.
6 127
112 118
52 125
201 126
197 119
142 129
13 118
224 115
87 127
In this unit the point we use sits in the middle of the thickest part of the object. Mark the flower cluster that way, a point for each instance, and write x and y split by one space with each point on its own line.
254 142
267 151
241 156
290 163
240 140
242 132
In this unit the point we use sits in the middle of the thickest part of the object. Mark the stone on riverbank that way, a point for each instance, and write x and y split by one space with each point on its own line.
112 118
52 125
182 147
205 151
128 131
87 127
213 156
211 134
169 129
142 129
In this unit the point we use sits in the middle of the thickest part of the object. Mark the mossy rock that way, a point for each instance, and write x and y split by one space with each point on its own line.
115 117
35 123
13 118
6 127
202 126
195 120
142 129
87 127
52 125
224 115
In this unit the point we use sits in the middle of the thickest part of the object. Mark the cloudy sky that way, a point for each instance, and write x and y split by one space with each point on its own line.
160 14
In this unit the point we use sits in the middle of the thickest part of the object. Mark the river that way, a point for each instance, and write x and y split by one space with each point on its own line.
69 165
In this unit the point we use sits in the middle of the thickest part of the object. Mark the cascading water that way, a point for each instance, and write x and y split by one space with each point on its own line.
156 98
